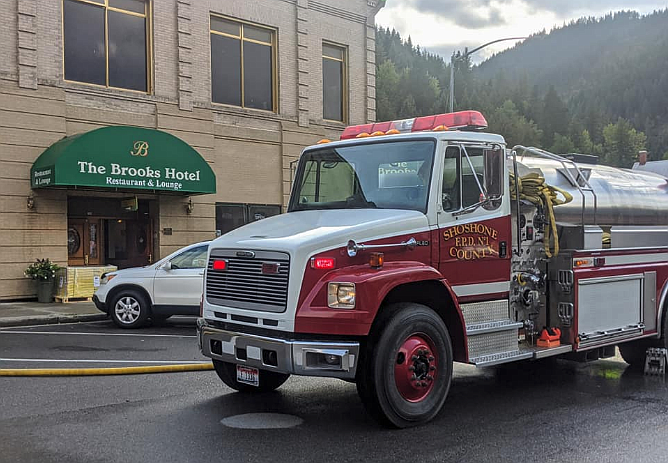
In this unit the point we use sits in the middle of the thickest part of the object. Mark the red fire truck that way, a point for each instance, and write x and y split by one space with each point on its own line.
409 245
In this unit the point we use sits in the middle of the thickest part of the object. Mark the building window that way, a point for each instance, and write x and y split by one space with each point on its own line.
231 216
106 43
243 64
334 82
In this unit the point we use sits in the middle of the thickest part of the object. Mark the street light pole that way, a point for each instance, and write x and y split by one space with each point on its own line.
466 54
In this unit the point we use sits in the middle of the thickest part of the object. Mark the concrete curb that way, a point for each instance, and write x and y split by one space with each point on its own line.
50 319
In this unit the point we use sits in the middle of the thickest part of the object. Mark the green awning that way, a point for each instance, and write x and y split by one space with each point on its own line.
123 158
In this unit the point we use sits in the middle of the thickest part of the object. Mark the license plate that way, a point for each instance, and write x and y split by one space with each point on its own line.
248 375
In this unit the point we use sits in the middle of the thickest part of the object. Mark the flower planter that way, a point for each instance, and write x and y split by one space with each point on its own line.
45 291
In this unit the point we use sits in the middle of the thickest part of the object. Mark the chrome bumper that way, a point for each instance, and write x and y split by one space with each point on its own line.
306 358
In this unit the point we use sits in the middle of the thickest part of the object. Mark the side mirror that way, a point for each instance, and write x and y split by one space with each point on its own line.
494 170
167 265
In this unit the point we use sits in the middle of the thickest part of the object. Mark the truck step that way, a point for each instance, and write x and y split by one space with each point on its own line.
493 342
499 358
492 327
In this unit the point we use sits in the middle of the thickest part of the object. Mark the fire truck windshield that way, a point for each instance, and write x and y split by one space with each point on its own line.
383 175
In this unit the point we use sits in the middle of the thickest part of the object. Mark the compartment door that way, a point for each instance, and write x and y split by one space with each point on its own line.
610 307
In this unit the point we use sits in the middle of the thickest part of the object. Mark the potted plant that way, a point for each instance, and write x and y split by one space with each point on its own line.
44 271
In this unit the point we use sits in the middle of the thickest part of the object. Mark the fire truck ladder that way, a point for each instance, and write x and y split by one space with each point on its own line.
581 182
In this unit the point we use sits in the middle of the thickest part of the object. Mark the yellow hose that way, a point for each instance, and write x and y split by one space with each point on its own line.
105 371
532 188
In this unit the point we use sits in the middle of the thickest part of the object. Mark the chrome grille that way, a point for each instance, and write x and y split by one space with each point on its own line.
256 280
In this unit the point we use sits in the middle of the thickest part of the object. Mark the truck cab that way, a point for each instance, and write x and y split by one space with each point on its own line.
401 252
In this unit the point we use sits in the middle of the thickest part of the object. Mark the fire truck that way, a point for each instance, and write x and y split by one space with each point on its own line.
409 245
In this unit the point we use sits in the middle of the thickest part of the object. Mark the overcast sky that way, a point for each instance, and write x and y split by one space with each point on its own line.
442 26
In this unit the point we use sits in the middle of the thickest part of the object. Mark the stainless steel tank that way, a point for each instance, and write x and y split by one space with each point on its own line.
623 197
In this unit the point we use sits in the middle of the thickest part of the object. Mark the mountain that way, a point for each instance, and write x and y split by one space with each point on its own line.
595 85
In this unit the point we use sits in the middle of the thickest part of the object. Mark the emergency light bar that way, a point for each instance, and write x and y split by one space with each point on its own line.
462 120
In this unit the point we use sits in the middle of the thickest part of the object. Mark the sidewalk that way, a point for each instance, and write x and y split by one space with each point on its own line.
34 313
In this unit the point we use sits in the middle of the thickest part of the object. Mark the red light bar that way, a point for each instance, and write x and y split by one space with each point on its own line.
472 120
323 263
219 265
355 130
458 120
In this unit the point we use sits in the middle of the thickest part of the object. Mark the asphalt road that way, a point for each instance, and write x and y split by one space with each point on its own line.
556 412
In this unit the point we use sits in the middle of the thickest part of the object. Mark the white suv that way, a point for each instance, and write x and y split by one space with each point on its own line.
171 286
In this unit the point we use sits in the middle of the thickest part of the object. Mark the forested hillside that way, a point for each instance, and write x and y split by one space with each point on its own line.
596 86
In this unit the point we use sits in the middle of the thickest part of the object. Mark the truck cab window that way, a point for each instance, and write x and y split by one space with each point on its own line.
450 190
374 175
470 188
327 181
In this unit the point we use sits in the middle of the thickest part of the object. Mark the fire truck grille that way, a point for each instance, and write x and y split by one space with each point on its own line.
251 280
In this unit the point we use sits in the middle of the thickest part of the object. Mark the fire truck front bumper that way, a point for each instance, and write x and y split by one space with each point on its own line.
300 357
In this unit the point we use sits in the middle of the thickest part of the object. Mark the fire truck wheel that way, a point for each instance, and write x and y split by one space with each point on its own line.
269 380
406 368
634 352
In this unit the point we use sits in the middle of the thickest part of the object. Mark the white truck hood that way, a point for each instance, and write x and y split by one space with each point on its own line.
307 232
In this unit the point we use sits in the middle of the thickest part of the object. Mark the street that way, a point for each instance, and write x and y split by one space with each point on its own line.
596 412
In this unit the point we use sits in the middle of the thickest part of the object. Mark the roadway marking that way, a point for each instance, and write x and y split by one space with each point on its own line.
103 334
177 362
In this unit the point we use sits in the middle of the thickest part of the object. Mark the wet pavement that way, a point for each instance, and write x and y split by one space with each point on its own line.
557 411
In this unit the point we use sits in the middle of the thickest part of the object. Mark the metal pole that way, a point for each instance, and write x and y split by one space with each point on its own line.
452 83
466 54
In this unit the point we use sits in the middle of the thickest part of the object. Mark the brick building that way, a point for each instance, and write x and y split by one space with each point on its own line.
245 84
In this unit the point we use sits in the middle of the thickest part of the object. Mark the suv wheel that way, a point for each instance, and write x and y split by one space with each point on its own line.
129 309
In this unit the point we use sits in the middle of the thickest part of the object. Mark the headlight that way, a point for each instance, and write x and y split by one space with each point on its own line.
106 278
341 295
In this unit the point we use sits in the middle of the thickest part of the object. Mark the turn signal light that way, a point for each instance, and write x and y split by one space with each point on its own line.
376 259
219 265
583 263
323 263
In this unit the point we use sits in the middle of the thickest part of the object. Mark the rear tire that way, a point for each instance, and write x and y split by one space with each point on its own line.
634 352
269 380
406 369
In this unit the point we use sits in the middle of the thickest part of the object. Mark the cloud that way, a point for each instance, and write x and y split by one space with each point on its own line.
469 14
565 8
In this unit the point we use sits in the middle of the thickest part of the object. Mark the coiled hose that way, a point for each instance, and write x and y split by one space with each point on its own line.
532 188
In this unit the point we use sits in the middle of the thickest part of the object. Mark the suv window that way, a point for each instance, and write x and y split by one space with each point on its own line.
192 258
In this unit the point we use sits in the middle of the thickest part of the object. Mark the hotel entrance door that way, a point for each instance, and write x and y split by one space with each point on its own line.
83 242
103 231
129 243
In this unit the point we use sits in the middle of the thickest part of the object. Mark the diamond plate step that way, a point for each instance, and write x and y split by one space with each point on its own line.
492 327
493 342
498 358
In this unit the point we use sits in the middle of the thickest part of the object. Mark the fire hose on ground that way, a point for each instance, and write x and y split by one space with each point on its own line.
105 371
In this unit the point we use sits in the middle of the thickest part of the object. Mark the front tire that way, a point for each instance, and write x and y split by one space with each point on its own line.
406 369
269 380
129 309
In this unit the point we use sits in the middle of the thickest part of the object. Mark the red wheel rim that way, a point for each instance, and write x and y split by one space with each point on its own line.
416 367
